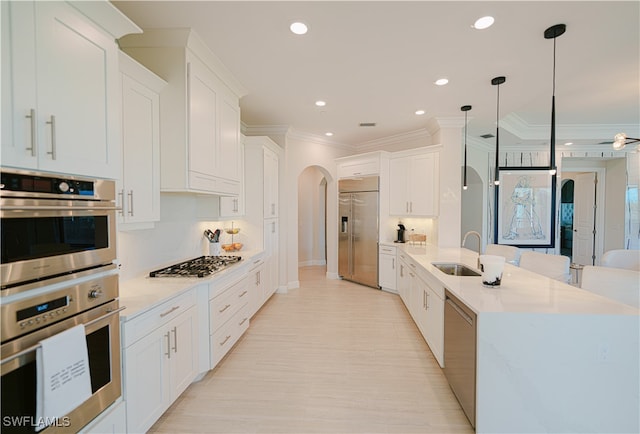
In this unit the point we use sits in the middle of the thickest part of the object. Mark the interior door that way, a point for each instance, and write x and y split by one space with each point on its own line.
584 218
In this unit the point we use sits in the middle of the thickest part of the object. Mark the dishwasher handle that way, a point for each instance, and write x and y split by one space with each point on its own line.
460 311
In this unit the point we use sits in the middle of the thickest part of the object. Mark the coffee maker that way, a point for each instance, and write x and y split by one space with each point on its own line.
401 230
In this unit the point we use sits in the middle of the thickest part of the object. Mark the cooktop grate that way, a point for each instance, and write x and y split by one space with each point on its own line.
199 267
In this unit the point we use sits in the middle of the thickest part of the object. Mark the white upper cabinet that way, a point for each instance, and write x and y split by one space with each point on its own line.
60 84
139 186
200 113
414 185
359 165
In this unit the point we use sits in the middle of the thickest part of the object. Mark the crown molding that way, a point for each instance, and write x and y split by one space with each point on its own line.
395 139
318 139
526 131
264 130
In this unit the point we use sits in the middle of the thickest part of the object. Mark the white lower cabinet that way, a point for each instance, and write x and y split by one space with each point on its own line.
424 298
229 313
387 268
159 359
271 248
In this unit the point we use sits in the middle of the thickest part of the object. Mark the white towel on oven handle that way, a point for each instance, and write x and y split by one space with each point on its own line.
63 378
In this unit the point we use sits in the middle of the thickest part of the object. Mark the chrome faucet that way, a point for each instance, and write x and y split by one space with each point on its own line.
464 240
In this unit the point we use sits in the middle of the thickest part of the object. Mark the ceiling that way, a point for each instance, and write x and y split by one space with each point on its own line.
376 61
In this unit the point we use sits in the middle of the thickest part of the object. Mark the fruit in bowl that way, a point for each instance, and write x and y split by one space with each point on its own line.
232 231
227 247
237 246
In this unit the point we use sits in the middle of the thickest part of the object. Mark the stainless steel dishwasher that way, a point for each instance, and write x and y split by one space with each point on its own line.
460 353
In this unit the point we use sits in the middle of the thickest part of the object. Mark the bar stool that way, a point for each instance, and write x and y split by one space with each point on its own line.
614 283
620 258
510 253
553 266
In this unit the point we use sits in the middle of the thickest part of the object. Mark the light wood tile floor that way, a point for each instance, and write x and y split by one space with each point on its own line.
329 357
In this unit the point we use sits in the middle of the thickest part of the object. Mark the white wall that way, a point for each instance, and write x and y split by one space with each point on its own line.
178 236
302 152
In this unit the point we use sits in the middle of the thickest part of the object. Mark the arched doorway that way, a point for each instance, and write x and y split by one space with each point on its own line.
312 217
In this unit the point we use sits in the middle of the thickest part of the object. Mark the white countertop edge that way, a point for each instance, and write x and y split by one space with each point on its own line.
142 293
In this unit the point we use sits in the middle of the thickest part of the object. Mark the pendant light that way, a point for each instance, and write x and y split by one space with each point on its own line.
552 33
497 81
621 140
465 109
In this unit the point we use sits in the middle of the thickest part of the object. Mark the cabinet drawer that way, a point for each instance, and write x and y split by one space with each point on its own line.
360 168
153 319
387 250
241 319
227 304
222 341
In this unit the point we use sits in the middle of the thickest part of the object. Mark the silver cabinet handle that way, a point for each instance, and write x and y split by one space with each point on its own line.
225 340
52 122
393 263
130 195
175 339
411 274
168 353
426 303
273 209
401 270
32 116
244 320
243 294
413 265
258 278
162 315
273 227
224 308
121 197
407 206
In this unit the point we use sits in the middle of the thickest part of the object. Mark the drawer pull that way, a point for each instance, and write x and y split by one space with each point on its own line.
413 265
243 321
225 340
242 295
224 308
174 308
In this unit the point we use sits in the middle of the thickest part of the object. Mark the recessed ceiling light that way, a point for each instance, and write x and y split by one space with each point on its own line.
320 103
298 28
328 134
420 112
483 23
441 81
568 144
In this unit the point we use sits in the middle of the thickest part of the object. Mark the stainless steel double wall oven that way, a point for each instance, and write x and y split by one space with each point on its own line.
57 271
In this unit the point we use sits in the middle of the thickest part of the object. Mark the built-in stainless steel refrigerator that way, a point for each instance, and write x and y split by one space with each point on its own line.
358 231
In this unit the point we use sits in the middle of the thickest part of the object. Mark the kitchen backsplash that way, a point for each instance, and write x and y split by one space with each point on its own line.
179 235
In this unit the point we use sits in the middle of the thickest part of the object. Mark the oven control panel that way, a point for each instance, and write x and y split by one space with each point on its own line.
29 314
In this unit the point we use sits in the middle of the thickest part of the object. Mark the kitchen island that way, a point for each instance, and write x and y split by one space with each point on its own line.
550 357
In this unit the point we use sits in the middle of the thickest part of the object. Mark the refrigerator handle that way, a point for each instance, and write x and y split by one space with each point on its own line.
344 224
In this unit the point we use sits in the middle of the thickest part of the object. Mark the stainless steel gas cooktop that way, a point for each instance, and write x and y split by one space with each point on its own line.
199 267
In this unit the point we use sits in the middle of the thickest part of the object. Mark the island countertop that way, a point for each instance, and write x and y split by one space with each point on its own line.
520 290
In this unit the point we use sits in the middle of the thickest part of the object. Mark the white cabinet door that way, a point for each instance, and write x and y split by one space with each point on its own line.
403 281
387 268
270 184
19 99
434 324
139 190
146 379
73 127
414 185
229 143
423 185
183 351
202 117
271 257
233 206
256 289
398 186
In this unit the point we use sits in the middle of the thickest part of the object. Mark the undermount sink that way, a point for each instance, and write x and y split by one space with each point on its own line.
454 269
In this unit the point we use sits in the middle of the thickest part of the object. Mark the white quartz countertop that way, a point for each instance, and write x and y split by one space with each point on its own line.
143 293
520 290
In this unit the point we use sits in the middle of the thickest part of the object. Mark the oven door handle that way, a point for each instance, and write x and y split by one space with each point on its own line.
35 347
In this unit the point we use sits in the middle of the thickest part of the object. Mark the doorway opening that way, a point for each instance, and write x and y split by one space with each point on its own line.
566 218
312 219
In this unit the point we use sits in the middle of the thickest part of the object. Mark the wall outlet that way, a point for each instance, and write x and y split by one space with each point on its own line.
604 352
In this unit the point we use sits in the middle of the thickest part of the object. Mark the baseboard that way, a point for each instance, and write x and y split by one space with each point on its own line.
332 275
292 285
313 262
